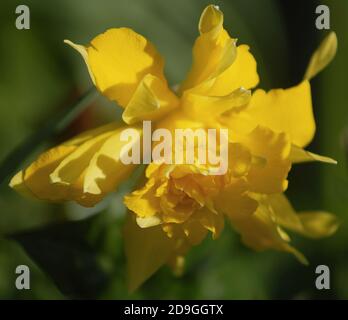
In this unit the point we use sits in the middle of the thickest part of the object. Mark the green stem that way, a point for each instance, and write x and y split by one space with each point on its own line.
51 128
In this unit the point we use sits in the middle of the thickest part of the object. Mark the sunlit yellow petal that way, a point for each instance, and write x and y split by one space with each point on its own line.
241 73
269 173
205 107
287 111
76 170
151 101
211 21
105 170
178 119
74 164
118 60
213 52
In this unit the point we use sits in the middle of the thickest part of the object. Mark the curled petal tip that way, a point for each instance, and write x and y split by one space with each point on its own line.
322 56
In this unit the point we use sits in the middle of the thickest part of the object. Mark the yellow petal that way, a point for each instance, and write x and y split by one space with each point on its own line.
151 101
17 183
234 202
82 50
241 73
67 164
206 107
76 193
298 155
105 170
260 232
269 173
73 165
211 20
313 224
190 187
318 224
213 52
322 56
239 159
147 222
36 176
211 221
146 251
118 60
283 212
143 201
287 111
178 119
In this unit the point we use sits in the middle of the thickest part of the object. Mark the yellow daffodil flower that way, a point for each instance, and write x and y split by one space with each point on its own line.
179 204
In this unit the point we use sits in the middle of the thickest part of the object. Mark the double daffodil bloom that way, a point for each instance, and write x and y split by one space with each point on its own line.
178 205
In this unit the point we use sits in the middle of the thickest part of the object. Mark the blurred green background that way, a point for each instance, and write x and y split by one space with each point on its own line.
80 253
